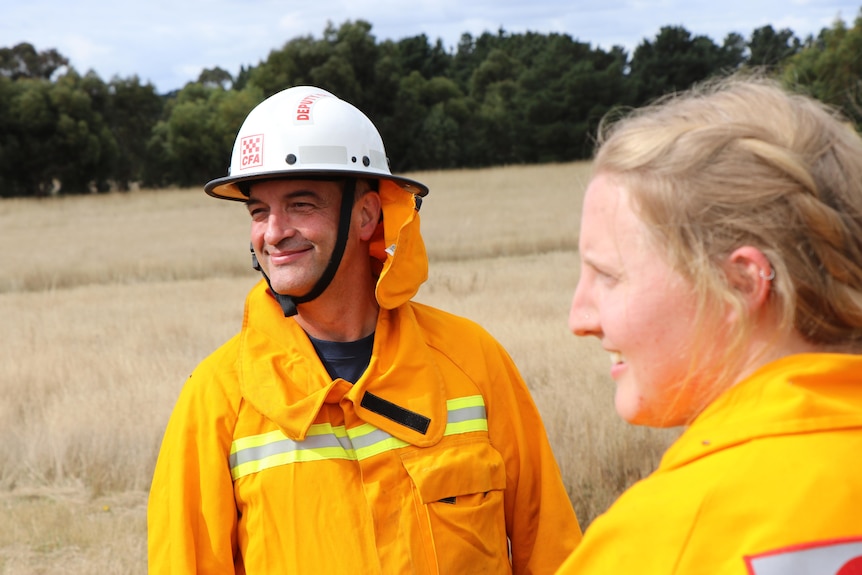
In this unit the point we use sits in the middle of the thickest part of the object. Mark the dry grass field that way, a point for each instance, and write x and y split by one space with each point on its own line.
108 302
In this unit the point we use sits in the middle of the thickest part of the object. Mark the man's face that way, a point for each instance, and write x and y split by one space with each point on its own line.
294 224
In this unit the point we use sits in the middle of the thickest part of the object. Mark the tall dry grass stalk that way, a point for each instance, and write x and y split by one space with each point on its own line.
108 302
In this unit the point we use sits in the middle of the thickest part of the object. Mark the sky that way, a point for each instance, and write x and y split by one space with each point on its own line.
168 42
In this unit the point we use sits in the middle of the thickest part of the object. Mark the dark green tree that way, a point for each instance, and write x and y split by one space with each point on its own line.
768 48
131 114
290 65
242 78
401 129
193 144
343 61
494 86
464 61
27 127
830 67
733 53
559 101
497 127
23 61
86 149
417 54
497 98
675 61
498 67
215 78
439 134
396 61
352 64
54 135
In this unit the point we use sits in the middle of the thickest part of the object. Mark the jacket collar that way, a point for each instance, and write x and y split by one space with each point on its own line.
398 247
282 377
796 394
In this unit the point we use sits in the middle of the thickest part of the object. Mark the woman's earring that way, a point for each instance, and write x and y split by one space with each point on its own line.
769 277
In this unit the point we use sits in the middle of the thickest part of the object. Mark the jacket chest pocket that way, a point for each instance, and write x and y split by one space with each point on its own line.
458 493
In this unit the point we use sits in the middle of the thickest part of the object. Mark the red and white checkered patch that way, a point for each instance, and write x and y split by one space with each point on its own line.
838 557
251 151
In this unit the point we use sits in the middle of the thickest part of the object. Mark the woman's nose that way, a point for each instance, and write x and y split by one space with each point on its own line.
583 318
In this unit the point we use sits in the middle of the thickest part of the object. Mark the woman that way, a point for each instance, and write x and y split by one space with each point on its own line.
721 268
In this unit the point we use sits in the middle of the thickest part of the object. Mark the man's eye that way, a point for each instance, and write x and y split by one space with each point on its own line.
301 206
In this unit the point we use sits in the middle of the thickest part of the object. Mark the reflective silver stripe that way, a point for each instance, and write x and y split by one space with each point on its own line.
258 452
466 414
827 557
369 439
286 444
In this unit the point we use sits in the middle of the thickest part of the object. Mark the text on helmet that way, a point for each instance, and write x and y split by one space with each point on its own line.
303 109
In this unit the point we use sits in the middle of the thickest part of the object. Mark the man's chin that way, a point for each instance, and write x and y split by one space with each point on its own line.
288 288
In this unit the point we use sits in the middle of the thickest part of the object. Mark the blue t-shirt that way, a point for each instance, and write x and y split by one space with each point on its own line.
344 359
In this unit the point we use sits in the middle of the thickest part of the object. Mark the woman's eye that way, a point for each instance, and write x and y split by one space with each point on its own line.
606 277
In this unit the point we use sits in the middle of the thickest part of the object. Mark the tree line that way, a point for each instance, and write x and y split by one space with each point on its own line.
496 99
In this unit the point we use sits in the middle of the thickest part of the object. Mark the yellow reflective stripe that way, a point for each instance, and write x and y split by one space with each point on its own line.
469 401
389 444
255 440
278 435
466 426
324 428
296 456
323 441
360 430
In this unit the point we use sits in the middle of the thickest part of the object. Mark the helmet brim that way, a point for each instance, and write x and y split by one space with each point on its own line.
227 189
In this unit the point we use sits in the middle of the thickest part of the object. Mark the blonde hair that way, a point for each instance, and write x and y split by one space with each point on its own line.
742 161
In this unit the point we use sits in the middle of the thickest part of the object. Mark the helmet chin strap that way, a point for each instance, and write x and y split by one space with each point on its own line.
288 303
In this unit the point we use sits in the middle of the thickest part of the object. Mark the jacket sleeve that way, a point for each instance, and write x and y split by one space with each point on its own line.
540 519
191 515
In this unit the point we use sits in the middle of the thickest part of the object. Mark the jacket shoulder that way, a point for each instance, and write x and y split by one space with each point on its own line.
222 357
444 330
465 344
217 374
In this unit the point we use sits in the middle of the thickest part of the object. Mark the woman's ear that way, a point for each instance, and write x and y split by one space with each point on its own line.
750 274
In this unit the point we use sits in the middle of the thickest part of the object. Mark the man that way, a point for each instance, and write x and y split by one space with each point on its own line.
347 429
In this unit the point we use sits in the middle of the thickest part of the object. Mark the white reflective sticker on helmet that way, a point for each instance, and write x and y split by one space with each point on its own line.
323 155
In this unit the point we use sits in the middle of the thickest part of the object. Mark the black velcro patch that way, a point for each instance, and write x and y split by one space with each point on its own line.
398 414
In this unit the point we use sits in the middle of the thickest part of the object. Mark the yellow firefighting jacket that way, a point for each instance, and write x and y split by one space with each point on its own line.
434 461
766 481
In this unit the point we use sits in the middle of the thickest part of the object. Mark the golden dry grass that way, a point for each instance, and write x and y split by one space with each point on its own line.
109 301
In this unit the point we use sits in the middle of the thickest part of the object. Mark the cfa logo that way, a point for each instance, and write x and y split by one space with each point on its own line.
251 151
836 557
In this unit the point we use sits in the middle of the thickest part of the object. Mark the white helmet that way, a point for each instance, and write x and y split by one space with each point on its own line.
306 131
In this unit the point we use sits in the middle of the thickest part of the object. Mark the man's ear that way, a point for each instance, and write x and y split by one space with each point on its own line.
750 274
369 214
